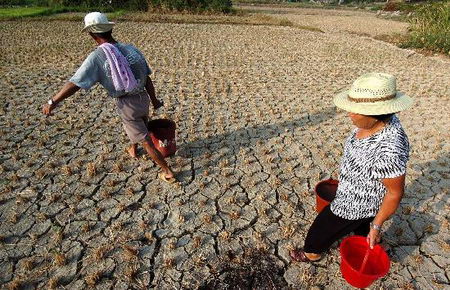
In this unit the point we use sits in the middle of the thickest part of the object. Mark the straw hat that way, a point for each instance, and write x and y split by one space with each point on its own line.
373 94
97 22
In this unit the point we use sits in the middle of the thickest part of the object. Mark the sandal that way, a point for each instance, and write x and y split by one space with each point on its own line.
300 256
163 177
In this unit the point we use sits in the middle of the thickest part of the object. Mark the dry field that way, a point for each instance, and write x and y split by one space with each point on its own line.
257 130
334 21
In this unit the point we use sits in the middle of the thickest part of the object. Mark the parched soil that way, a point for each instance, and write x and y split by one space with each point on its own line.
256 131
354 21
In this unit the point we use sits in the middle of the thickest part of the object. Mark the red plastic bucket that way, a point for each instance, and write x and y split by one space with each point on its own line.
325 193
360 265
162 133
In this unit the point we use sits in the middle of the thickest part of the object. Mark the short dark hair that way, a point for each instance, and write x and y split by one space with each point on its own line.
384 117
104 35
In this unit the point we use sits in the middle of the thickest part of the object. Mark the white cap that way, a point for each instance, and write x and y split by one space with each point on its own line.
97 22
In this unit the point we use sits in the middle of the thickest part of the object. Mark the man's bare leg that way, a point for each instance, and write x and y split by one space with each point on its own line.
132 150
157 157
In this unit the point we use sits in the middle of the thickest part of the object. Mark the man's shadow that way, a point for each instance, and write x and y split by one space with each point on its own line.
247 137
415 222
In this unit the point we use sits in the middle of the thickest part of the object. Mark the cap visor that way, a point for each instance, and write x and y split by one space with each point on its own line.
99 28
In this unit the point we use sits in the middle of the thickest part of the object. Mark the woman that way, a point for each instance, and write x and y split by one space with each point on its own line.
373 167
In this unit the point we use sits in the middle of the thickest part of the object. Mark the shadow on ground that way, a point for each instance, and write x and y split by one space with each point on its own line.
247 137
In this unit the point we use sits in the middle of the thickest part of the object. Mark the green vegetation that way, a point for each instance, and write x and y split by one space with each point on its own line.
222 6
430 28
12 13
197 6
82 5
19 12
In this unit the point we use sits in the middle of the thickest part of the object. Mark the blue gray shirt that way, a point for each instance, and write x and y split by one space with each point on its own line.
95 68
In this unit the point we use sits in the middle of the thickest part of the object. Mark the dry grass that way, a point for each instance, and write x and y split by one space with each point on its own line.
117 168
59 259
197 242
15 284
250 83
253 270
207 218
67 170
169 263
99 253
224 235
28 264
287 231
53 283
86 227
91 169
93 278
131 273
129 253
246 19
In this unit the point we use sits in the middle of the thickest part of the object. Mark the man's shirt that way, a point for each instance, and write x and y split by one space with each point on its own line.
96 68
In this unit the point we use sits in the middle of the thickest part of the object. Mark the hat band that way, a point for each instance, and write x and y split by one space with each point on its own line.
371 100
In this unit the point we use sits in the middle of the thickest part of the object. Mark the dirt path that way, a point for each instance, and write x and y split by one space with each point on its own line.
257 130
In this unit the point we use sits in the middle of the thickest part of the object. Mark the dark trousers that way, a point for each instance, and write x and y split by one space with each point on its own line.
328 228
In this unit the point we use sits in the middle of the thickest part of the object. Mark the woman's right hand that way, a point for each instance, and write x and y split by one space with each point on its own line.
373 237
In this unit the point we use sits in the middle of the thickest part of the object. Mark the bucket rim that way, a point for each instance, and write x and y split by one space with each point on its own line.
170 123
330 181
382 251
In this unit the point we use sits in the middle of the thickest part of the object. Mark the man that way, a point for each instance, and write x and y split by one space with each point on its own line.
123 71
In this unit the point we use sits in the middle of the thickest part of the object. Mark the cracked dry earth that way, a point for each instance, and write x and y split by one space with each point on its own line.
256 131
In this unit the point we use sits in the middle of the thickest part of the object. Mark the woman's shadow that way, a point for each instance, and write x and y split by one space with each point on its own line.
418 231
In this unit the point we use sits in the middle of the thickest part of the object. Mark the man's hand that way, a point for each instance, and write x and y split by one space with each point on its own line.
151 93
47 109
157 104
373 237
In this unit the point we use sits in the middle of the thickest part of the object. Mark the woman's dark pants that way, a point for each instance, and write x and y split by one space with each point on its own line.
328 228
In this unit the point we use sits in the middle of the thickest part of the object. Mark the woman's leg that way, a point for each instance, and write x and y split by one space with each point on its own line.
326 229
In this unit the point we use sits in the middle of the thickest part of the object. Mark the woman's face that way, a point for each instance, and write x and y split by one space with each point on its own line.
363 121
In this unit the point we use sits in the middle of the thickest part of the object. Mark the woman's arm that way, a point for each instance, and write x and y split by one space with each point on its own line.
395 188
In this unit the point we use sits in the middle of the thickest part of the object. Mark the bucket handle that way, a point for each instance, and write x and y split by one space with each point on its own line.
366 258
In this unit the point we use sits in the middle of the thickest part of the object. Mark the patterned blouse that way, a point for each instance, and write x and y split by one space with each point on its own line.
365 163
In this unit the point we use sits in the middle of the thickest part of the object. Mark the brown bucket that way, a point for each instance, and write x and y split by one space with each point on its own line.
162 132
325 193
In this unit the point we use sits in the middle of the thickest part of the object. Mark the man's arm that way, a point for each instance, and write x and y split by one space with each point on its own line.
67 90
151 92
394 192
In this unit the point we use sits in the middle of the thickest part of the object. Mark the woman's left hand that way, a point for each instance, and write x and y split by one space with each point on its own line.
373 237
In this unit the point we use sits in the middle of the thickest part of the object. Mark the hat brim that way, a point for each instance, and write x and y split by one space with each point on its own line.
98 28
399 103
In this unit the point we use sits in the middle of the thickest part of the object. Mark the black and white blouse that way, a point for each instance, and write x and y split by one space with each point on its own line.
365 163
